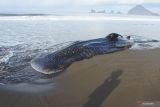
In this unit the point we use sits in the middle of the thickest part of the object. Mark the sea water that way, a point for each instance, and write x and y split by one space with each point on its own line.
24 37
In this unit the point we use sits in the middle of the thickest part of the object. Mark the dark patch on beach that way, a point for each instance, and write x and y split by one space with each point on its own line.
100 94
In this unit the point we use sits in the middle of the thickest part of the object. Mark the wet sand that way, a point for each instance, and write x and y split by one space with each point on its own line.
113 80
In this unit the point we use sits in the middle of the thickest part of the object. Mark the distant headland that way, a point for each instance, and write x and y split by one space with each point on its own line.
136 10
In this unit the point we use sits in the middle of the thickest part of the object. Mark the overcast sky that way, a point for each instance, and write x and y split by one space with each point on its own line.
47 6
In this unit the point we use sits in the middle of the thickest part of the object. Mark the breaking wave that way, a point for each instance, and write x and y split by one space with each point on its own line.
87 17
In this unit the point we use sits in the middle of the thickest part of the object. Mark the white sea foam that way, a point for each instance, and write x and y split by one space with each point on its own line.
6 58
88 17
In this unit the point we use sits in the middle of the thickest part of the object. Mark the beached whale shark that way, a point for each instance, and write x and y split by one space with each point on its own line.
80 50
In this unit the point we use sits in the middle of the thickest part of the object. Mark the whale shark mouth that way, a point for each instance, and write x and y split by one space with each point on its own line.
59 60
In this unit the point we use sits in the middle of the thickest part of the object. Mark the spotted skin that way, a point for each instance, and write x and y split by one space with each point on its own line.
78 51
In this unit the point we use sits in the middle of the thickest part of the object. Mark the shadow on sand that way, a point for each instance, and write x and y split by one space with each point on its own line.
101 93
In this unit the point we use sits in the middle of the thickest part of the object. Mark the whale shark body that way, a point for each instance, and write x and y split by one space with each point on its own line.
80 50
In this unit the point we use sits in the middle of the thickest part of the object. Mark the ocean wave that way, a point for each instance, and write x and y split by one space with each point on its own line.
88 17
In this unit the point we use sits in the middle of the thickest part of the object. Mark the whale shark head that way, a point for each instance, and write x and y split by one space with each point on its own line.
119 42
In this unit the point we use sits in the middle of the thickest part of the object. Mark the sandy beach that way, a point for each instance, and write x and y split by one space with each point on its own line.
120 79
